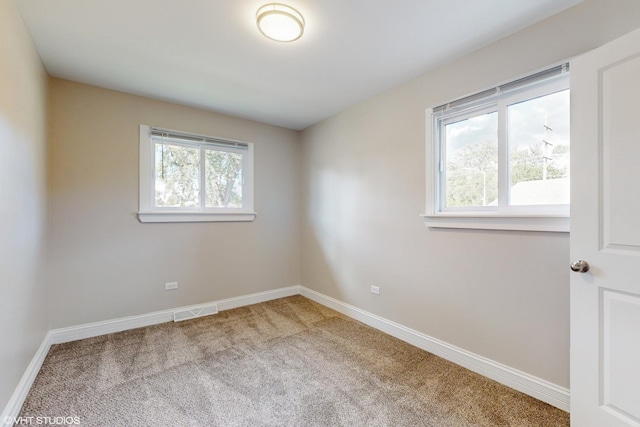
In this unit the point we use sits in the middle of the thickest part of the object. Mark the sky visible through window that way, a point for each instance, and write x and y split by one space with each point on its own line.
538 144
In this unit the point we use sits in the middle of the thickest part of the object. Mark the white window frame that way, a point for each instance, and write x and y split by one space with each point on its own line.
148 212
554 218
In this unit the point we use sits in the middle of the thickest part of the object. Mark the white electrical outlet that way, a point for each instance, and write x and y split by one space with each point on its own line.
375 290
170 286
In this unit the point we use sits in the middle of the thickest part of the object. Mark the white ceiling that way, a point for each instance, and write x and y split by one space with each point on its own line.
209 53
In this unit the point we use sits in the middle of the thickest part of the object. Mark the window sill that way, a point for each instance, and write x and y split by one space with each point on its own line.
493 221
195 216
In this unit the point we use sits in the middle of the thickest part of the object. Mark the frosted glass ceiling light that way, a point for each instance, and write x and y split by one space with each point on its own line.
280 22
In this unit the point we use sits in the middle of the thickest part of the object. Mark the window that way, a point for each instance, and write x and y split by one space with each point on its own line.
186 177
501 157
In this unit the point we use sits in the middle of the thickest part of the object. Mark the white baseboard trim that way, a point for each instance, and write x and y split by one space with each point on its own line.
521 381
11 411
90 330
528 384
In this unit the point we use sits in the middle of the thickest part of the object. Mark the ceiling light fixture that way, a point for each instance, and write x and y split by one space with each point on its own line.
280 22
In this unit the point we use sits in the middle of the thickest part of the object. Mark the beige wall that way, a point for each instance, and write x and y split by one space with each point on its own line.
105 264
23 93
503 295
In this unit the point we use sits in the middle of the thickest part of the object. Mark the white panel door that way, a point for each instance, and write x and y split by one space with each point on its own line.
605 231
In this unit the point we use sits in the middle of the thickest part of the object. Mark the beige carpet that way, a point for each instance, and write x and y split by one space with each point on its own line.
288 362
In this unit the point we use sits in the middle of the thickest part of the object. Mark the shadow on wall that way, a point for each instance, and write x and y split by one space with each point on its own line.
328 265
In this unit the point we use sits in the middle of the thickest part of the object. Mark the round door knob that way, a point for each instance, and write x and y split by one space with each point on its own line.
580 266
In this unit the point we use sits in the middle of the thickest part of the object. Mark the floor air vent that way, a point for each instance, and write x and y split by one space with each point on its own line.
195 312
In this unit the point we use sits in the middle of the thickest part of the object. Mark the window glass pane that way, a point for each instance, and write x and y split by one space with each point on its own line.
223 179
539 150
177 176
471 164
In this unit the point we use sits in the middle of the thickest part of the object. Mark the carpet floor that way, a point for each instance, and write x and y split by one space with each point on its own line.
287 362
